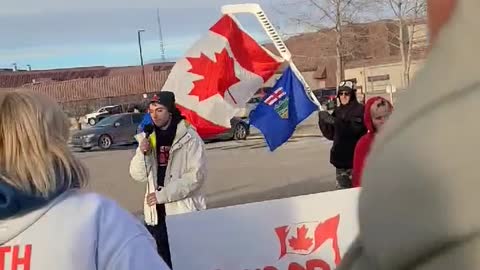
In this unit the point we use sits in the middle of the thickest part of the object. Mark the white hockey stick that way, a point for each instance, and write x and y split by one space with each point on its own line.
272 33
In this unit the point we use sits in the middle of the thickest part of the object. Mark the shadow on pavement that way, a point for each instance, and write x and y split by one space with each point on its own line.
213 141
227 191
306 187
241 146
113 149
256 143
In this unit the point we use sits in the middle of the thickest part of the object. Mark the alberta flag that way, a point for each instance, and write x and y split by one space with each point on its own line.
282 109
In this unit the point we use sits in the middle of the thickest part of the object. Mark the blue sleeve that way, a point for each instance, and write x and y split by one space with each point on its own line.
138 254
123 242
147 120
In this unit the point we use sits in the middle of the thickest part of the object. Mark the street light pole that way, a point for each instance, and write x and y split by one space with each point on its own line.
141 59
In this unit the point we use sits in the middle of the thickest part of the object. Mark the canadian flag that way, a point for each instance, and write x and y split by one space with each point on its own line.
218 75
306 238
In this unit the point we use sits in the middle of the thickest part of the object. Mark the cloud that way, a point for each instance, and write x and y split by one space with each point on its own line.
28 7
46 6
11 56
33 30
101 26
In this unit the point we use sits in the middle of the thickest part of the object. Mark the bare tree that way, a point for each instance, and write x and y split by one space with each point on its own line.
330 14
408 14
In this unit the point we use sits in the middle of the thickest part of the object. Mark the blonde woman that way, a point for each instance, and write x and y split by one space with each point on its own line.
46 221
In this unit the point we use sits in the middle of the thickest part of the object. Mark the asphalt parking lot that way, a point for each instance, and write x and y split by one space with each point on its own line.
238 171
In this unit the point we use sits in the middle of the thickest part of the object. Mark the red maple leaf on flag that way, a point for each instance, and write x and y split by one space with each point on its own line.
218 76
301 242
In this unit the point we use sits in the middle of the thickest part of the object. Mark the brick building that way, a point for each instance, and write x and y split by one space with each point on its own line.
91 87
365 46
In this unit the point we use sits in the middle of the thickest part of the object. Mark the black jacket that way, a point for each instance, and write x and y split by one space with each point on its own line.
345 127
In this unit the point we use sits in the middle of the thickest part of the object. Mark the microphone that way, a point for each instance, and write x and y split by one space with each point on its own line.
148 129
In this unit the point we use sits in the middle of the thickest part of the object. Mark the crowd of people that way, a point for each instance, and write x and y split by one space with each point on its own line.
417 208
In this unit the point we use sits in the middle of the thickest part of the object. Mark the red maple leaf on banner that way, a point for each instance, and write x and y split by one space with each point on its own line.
301 242
218 76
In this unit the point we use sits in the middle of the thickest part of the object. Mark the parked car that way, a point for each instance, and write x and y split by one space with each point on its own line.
113 130
240 130
95 117
250 106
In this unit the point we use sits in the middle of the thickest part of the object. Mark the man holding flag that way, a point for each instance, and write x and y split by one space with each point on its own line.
284 107
204 90
345 127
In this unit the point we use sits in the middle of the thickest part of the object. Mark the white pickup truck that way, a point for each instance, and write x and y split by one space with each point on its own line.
94 117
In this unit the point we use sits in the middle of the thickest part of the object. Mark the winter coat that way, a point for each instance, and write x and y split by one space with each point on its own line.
76 231
345 127
364 144
418 208
185 174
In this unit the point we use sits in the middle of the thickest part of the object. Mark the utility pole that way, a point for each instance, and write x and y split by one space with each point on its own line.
141 59
160 35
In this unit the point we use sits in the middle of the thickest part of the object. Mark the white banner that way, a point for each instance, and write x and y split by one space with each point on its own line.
301 233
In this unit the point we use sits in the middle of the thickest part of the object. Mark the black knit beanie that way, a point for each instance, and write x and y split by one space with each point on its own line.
165 98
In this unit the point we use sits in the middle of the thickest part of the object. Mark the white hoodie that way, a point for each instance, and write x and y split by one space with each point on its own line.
77 231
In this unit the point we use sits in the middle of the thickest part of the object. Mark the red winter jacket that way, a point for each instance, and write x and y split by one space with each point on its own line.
364 144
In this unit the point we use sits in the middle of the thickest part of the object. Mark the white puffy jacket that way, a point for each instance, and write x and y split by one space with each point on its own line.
184 177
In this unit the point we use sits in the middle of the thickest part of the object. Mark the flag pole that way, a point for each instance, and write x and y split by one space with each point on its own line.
272 33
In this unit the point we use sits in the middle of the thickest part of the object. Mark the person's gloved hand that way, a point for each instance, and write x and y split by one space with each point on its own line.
324 116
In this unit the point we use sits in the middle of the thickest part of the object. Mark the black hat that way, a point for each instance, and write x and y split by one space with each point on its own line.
165 98
346 86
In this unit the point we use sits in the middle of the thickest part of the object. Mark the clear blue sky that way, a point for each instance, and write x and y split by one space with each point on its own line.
58 33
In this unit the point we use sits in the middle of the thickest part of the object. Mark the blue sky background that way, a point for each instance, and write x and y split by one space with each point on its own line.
57 33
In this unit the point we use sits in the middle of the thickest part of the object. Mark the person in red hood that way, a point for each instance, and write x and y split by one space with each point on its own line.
377 111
